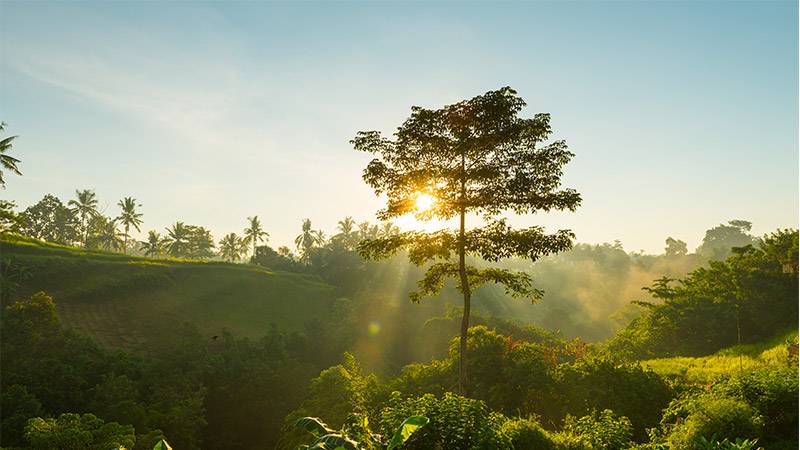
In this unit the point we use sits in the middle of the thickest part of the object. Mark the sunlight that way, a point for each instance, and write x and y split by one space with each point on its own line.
424 202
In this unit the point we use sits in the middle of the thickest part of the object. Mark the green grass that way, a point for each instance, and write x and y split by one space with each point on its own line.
707 369
130 301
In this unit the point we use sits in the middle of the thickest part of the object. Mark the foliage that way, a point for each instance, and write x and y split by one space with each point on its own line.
10 220
51 221
254 233
7 161
70 431
129 217
84 206
719 241
356 434
712 416
455 422
601 430
527 434
747 297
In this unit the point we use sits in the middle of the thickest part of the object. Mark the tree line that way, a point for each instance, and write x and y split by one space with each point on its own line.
80 222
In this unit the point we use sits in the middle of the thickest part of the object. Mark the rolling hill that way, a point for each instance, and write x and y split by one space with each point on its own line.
130 301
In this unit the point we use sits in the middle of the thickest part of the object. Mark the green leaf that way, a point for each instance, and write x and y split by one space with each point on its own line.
334 441
162 445
407 428
313 425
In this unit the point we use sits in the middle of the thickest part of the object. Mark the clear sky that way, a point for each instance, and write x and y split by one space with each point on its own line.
681 115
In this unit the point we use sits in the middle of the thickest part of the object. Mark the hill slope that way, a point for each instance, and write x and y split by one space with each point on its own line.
129 301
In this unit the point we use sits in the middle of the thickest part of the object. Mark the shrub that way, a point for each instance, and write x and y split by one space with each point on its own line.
527 434
455 422
714 417
601 430
774 395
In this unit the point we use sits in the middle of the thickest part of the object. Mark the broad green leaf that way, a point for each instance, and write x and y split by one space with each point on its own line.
407 428
334 441
314 426
162 445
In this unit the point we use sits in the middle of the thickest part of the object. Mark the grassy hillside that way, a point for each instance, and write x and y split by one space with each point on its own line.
707 369
126 301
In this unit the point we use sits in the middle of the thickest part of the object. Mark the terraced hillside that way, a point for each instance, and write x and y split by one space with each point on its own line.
131 302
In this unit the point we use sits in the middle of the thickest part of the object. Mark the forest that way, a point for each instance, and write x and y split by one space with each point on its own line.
371 336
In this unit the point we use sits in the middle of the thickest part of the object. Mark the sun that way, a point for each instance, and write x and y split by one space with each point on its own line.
424 202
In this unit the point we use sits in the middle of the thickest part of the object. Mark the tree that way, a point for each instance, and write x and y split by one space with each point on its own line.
104 233
10 220
51 221
201 242
154 245
177 240
307 240
85 207
389 229
231 247
718 241
254 234
347 236
129 218
7 161
473 157
675 247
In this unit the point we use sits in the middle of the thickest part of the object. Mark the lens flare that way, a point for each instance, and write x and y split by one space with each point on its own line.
374 328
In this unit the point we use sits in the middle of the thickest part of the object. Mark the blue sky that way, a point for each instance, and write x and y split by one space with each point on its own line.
681 115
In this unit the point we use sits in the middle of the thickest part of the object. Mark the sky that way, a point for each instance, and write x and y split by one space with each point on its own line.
681 115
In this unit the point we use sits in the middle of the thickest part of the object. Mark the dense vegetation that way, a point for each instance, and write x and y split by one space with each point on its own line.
532 388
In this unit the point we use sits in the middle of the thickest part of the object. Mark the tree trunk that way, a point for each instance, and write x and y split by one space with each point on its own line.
462 271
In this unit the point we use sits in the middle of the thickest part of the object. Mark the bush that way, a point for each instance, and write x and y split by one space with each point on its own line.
601 383
603 430
455 422
527 434
774 395
714 417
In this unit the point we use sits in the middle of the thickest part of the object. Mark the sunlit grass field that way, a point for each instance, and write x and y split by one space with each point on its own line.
740 358
131 301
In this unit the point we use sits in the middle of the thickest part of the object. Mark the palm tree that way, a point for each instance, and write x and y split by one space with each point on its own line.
104 233
177 240
254 233
347 233
6 161
389 229
129 218
231 247
85 207
154 245
306 240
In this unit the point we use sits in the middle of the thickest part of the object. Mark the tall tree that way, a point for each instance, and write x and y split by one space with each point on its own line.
84 206
231 247
254 233
50 220
154 245
177 240
7 162
129 217
473 157
307 240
